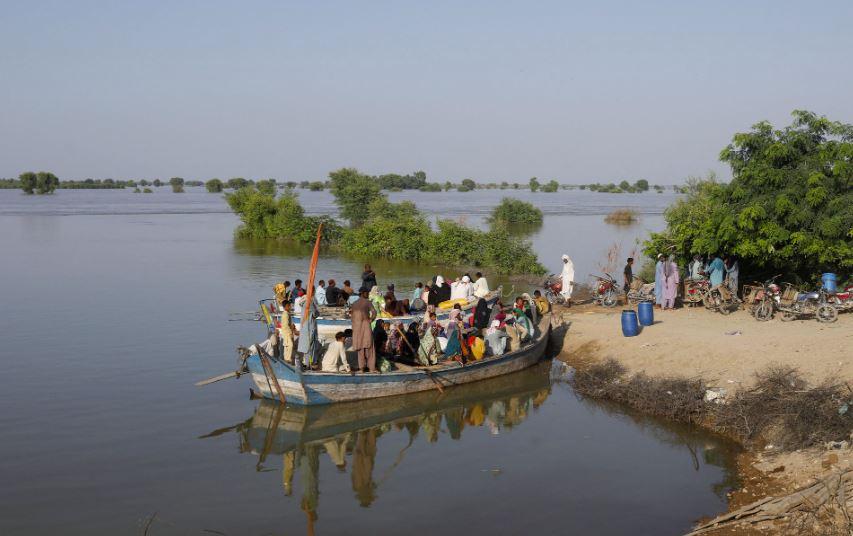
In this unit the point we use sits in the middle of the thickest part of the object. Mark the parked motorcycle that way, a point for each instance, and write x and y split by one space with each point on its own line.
553 286
762 303
843 300
640 291
794 304
605 292
719 298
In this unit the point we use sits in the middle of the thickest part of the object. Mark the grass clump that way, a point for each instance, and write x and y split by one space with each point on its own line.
511 211
622 216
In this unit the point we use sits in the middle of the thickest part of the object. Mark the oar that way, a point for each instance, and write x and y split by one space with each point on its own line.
219 378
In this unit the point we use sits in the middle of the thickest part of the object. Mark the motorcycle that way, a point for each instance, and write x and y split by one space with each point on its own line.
793 304
763 303
719 298
605 292
553 286
640 291
843 300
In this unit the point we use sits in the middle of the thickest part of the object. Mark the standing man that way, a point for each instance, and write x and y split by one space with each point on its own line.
363 313
670 282
659 281
716 271
568 277
629 274
288 332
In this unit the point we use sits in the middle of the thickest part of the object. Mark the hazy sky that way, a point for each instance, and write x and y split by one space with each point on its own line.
576 91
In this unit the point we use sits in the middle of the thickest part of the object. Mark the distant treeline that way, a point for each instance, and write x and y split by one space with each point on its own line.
389 182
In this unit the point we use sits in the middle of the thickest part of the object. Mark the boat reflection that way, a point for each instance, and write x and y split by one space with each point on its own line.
347 433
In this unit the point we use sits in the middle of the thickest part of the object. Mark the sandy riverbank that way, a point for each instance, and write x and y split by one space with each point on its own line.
726 352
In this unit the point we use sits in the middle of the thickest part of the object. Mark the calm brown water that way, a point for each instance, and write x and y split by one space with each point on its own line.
112 307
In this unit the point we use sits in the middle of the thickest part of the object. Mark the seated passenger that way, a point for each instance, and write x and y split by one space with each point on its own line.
320 293
335 359
496 339
481 286
409 348
347 291
542 305
333 294
380 337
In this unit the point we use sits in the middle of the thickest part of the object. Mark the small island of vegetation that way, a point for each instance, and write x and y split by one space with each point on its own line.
377 227
515 211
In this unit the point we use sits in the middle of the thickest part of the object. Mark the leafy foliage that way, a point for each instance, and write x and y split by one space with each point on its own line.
214 186
177 185
534 184
515 211
353 193
551 187
789 207
40 183
236 183
267 187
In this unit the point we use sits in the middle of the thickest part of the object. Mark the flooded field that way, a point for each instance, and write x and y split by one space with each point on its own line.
115 303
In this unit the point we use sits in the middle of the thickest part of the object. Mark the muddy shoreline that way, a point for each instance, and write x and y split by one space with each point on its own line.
725 353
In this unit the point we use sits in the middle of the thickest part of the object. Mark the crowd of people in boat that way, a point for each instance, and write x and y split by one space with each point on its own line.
473 330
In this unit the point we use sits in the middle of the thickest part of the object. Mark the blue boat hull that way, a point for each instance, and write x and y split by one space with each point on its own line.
310 388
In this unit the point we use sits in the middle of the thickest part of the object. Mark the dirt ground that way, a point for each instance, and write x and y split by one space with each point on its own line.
727 351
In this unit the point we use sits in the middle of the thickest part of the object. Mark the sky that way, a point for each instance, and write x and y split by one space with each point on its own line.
489 90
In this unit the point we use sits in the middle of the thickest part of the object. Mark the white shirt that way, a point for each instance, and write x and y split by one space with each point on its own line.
481 287
335 359
320 295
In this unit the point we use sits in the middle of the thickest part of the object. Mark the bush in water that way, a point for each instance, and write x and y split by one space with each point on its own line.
515 211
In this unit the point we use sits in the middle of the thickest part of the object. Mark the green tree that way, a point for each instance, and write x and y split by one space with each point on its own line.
515 211
237 182
177 185
46 182
267 187
158 183
788 208
316 186
534 184
28 182
625 186
467 185
447 185
214 186
551 187
353 193
641 185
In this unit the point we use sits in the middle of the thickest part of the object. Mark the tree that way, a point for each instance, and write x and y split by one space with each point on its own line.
353 193
267 187
316 186
214 186
28 182
788 208
625 186
447 185
467 185
158 183
177 185
534 184
515 211
551 187
642 185
237 182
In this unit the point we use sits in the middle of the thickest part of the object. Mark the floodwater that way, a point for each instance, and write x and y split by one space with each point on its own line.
114 303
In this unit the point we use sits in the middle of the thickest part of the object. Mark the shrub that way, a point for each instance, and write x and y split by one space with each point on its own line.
147 191
353 193
267 187
177 185
515 211
622 216
214 186
551 187
430 187
237 182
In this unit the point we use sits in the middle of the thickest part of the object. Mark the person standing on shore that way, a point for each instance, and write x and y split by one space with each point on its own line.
732 274
568 276
716 271
362 314
670 288
629 274
659 281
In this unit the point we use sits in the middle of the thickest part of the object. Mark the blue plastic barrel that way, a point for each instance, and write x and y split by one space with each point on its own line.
646 313
630 327
829 282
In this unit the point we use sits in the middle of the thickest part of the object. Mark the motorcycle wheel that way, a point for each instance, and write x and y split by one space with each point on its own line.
787 317
826 314
763 312
609 300
721 305
707 301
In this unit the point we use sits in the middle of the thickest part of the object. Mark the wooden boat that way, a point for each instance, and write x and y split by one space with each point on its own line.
334 319
276 379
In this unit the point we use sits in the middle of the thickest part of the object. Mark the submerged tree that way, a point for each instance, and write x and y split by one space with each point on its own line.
40 183
353 193
788 208
214 186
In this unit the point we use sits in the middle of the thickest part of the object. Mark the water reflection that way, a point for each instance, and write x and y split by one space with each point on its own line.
347 435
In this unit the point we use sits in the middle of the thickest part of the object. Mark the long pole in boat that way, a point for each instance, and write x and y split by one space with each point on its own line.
312 273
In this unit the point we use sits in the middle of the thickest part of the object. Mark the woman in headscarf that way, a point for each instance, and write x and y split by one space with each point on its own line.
461 290
429 347
670 288
376 299
395 339
440 292
411 344
568 276
496 339
481 314
380 337
659 276
497 313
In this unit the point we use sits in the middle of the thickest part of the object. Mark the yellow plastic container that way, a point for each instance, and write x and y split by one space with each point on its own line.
450 303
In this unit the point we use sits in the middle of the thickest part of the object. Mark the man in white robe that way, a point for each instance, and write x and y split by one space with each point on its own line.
568 276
